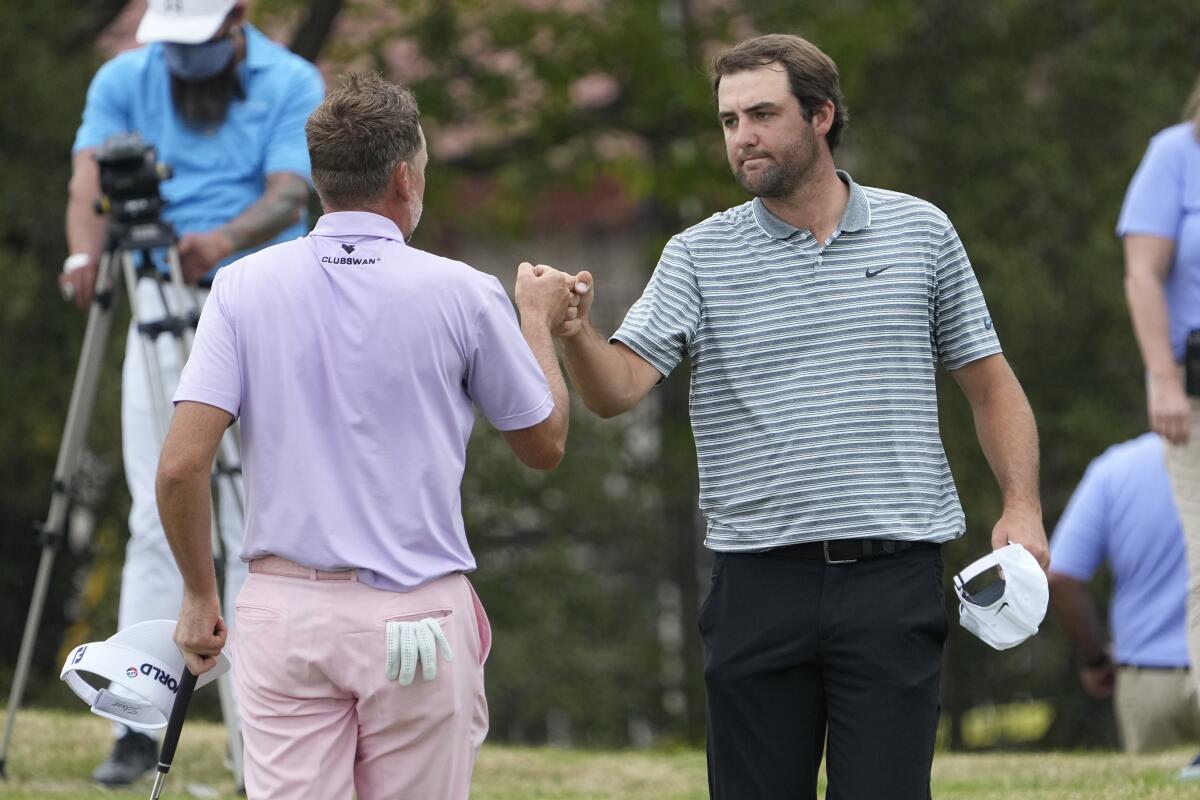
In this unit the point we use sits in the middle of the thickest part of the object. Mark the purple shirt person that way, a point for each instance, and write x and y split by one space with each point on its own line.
1160 227
355 362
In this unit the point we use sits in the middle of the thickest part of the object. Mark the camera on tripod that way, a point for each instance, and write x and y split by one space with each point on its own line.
129 180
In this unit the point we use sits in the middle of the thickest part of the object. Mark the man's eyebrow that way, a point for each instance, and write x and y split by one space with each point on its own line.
765 105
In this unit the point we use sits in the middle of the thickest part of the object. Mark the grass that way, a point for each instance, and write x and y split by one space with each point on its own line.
54 751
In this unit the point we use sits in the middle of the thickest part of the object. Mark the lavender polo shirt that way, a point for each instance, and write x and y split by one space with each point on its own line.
1163 200
354 362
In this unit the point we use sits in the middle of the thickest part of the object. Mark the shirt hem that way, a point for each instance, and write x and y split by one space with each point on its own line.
527 419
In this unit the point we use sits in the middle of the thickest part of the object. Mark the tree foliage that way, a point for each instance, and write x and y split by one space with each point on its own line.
1023 120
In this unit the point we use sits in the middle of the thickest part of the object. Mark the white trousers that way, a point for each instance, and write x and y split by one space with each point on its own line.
151 586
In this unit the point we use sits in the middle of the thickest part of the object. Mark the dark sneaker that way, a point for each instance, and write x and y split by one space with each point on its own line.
1191 772
133 756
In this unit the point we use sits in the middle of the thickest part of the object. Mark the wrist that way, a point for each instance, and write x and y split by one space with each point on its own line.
77 261
1022 507
1099 661
536 325
1164 373
228 239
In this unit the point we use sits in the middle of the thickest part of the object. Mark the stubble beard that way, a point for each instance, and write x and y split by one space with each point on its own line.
415 215
788 172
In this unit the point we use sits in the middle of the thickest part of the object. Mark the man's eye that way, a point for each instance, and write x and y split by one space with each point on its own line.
763 115
728 122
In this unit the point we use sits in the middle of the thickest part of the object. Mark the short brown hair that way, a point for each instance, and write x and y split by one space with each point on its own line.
1191 109
358 136
812 75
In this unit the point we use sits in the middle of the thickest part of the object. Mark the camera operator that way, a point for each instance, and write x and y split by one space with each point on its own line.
225 107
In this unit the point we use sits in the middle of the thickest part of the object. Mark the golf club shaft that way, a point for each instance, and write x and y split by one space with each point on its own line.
183 698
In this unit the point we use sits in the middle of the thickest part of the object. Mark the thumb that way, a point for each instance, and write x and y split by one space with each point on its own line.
583 282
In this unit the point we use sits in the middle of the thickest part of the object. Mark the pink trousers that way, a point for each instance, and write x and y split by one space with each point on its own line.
320 718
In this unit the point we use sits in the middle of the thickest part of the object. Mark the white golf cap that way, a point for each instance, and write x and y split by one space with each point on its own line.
182 21
142 658
1008 611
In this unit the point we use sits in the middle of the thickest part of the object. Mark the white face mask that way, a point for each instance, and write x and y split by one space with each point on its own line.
1008 611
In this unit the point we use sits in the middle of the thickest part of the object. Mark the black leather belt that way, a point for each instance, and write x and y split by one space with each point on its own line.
848 551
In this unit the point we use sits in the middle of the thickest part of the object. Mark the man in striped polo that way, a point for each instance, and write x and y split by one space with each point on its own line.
815 317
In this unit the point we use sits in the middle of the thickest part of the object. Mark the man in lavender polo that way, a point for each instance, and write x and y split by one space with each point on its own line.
354 362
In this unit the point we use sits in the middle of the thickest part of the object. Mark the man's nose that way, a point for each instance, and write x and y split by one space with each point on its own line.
745 137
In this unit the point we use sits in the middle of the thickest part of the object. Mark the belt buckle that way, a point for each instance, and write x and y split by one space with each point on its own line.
832 561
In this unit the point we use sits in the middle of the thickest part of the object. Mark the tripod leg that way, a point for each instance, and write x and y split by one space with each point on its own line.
148 342
189 297
79 415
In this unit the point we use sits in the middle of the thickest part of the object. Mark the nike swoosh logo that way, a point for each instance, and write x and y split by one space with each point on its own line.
872 274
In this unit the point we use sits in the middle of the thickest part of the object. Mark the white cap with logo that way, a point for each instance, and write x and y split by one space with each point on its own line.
142 658
182 21
1008 611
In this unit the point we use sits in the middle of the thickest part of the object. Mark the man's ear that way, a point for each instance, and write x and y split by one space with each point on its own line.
402 180
822 118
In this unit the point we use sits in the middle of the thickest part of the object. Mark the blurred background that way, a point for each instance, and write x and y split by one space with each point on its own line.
582 133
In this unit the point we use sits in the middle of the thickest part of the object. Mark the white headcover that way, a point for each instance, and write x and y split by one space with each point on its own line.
142 658
1009 611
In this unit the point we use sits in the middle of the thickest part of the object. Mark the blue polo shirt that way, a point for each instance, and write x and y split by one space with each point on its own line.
1123 513
221 171
1164 200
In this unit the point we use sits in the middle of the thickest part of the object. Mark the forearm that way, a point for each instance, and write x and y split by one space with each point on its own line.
1007 434
1148 309
85 228
1078 617
185 507
540 342
277 209
600 373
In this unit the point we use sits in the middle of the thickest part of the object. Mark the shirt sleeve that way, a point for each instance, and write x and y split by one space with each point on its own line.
962 327
213 374
503 377
1079 545
107 108
1154 201
287 148
661 326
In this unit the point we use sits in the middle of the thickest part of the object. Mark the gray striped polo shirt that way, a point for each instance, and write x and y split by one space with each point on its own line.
813 399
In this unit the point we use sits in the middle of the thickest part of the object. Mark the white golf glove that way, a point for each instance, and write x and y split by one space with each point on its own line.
408 642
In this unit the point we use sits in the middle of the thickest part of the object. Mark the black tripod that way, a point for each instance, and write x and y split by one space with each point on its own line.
180 312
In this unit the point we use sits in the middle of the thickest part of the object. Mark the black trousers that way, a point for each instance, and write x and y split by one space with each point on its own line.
799 653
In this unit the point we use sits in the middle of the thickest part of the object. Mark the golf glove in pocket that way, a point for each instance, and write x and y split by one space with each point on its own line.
411 641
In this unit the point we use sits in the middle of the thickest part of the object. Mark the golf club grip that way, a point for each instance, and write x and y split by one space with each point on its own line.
183 698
